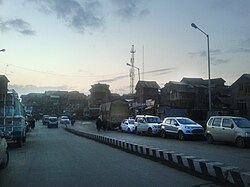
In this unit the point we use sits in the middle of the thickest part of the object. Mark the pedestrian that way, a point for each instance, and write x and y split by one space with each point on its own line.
99 123
104 124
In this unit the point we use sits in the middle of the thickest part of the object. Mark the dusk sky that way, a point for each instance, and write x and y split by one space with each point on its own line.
73 44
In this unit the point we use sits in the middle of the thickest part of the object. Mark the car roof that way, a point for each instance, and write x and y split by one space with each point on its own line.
177 118
225 117
146 116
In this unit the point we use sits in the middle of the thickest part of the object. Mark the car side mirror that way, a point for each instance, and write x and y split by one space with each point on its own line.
232 126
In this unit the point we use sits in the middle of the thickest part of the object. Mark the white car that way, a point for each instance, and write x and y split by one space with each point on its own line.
52 122
147 124
64 120
4 155
128 125
181 127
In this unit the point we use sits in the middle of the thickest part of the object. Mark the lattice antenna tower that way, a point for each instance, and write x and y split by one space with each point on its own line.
132 70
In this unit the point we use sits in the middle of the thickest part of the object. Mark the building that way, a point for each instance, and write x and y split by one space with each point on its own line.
99 94
240 96
147 97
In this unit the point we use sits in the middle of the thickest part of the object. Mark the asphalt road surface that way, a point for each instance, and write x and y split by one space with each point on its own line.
54 157
219 152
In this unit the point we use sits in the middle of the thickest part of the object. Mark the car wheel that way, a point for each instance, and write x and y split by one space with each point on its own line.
149 132
163 134
240 142
136 131
181 135
128 131
5 160
210 139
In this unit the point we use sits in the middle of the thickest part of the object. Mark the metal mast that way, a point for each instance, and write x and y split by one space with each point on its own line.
132 71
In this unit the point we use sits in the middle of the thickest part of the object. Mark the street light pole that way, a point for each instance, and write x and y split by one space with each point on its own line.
136 68
208 60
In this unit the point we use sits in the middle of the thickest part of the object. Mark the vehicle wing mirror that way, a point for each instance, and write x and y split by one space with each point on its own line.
232 126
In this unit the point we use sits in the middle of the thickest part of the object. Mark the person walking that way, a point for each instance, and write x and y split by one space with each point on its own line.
99 123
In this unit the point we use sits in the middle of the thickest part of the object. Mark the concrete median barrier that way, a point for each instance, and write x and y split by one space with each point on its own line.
216 171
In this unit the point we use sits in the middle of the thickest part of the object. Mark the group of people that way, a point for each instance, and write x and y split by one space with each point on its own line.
101 123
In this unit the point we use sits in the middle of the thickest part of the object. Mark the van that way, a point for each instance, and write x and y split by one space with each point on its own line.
147 124
228 129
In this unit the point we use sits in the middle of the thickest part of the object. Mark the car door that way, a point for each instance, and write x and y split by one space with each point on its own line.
174 126
215 130
228 130
140 123
167 125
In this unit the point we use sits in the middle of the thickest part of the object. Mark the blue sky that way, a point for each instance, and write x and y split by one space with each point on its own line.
73 44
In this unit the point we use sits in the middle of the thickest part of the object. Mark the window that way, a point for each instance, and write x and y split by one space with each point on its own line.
210 121
167 121
227 123
216 122
173 122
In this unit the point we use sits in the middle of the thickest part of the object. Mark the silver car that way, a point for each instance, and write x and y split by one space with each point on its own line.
4 155
128 125
228 129
181 127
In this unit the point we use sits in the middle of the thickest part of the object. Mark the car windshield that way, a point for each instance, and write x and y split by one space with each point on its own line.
53 119
185 121
131 121
242 122
153 120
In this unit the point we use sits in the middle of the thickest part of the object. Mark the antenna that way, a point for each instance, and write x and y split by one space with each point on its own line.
132 72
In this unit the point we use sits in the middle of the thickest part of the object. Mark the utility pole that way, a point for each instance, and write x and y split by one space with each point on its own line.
132 71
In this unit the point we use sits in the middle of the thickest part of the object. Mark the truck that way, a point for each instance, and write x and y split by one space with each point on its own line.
114 113
13 121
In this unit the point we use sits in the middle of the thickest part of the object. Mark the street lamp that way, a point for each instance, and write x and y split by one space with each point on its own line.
2 50
208 60
136 68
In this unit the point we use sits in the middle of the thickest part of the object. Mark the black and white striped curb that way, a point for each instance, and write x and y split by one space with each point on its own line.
220 172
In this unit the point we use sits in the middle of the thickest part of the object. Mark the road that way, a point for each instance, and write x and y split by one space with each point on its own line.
54 157
219 152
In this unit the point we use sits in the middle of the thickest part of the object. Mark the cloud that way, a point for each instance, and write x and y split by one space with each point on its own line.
155 72
128 9
203 53
240 50
160 71
18 25
113 79
25 89
219 61
79 15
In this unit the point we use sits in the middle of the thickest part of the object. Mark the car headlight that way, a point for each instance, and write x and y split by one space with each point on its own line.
247 133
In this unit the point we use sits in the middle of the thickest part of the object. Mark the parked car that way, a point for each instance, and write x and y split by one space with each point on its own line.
147 124
45 119
228 129
52 122
128 125
181 127
4 155
64 120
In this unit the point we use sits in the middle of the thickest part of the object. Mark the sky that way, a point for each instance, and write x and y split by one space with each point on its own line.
72 44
